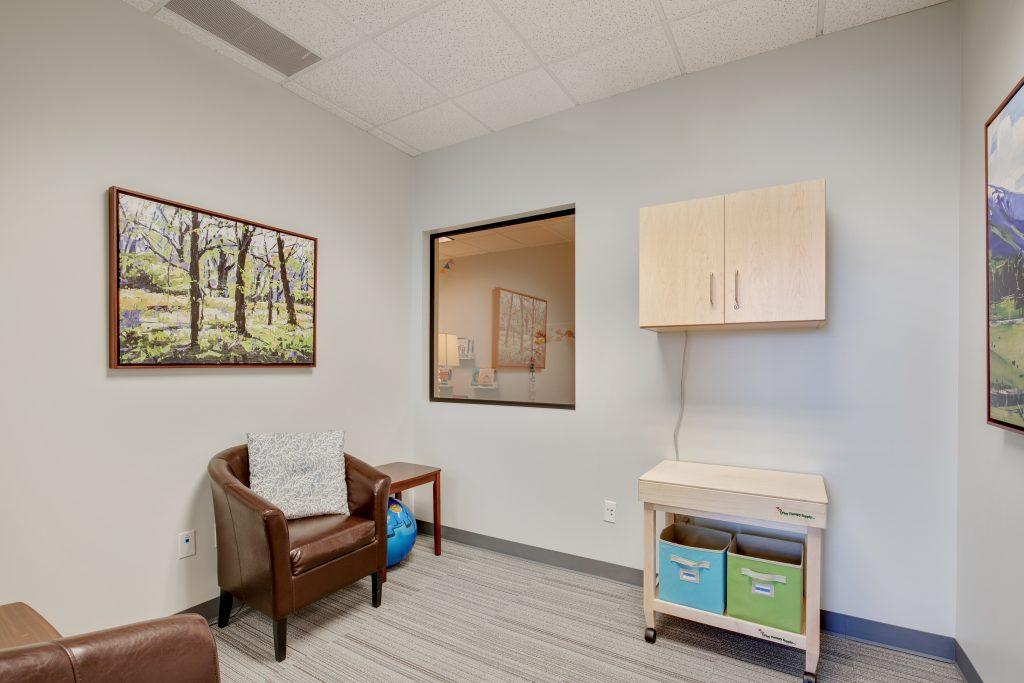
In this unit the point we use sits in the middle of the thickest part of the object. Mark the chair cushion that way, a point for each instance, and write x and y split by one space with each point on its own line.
317 540
303 474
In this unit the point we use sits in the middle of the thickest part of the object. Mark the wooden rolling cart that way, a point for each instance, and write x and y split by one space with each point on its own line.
785 501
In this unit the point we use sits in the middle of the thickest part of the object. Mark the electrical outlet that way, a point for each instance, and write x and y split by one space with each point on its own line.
609 511
187 543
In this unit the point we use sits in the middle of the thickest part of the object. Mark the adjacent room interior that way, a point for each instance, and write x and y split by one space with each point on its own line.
508 340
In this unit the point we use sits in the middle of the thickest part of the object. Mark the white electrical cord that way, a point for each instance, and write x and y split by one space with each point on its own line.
682 398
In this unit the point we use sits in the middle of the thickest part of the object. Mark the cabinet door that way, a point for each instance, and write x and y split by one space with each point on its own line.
681 258
775 254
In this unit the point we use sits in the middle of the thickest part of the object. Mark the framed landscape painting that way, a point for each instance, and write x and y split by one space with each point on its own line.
1004 181
191 287
520 330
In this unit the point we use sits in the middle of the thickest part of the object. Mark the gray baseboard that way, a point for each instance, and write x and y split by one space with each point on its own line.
207 610
542 555
899 637
970 674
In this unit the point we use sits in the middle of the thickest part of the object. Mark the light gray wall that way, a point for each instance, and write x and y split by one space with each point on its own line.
99 469
990 481
869 401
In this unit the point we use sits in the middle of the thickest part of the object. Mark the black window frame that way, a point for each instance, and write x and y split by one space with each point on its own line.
431 265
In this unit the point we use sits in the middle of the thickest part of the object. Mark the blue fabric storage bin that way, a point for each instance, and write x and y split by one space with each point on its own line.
691 566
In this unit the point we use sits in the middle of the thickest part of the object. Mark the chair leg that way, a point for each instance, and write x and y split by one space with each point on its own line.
224 610
280 638
375 588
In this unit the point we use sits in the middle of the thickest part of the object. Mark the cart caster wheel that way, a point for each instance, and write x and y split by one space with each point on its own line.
810 678
650 635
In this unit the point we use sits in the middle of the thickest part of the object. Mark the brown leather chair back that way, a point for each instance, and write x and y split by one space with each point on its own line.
179 649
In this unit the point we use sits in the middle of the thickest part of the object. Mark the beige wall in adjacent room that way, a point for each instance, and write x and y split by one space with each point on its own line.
466 308
100 469
990 472
869 400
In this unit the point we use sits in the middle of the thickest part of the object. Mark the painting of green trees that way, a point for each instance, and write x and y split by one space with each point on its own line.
199 288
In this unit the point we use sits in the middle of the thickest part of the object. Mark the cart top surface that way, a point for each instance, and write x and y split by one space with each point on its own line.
769 483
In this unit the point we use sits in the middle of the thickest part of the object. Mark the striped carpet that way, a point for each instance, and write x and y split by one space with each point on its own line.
475 615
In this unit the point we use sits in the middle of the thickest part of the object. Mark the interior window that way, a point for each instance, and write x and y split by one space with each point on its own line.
503 326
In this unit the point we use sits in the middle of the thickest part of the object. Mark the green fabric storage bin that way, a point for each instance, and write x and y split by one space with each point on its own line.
765 581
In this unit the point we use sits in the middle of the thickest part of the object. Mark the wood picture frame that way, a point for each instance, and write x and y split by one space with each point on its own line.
148 295
1004 263
532 342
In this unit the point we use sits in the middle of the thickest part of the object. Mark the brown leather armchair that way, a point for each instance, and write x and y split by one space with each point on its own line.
177 649
277 565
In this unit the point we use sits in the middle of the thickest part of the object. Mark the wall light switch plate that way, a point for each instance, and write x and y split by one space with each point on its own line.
187 543
609 511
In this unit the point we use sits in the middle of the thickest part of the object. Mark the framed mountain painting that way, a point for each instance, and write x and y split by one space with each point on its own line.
191 287
1004 181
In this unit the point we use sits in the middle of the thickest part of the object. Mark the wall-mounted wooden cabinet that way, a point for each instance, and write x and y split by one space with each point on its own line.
750 259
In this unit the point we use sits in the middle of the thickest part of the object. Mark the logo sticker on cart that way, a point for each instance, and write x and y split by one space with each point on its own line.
787 513
765 589
690 575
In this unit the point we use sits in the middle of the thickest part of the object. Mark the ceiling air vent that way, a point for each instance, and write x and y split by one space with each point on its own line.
248 33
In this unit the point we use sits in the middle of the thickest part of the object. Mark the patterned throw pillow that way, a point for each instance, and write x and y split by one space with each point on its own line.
301 473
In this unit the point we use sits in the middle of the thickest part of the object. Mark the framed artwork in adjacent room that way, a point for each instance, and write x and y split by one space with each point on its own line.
484 378
520 330
1004 207
466 349
191 287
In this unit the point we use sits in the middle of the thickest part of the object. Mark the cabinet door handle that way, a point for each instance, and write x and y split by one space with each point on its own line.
711 291
736 290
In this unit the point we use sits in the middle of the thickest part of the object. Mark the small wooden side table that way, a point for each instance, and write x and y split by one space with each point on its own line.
22 625
406 475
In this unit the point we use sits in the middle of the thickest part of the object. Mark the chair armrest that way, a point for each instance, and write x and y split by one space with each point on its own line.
252 544
178 648
260 542
368 490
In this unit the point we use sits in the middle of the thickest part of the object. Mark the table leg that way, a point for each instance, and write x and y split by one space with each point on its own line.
437 514
813 595
650 532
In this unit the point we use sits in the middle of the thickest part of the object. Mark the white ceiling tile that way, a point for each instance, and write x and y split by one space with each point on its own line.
458 46
556 29
455 248
841 14
531 234
521 98
621 65
307 22
489 240
373 16
370 83
141 5
743 28
677 9
322 102
436 127
394 142
212 41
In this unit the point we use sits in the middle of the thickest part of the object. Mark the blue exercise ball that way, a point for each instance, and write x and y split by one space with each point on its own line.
401 531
